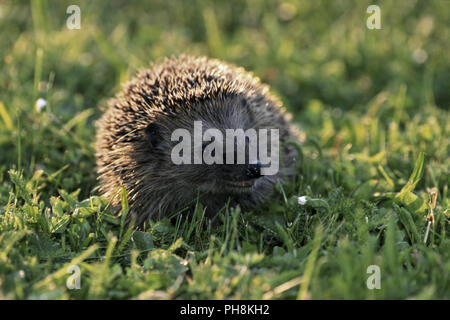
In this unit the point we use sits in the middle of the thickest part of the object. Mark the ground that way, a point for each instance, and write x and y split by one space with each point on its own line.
365 217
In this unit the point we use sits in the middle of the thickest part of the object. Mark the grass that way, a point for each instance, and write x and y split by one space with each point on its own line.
374 171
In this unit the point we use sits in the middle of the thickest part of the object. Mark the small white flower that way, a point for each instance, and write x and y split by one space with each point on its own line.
302 200
419 56
40 104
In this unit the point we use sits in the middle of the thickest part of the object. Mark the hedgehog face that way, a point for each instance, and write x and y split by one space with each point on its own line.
205 162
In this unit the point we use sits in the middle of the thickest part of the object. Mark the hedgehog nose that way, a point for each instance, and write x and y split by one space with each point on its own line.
253 170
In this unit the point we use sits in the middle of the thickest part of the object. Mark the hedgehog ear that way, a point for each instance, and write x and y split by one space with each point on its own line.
153 134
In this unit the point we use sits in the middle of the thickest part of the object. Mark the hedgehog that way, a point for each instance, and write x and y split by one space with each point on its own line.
135 145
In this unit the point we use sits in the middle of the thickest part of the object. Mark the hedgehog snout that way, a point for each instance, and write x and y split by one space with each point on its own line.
241 172
253 170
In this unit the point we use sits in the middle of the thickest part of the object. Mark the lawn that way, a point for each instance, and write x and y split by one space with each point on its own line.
370 198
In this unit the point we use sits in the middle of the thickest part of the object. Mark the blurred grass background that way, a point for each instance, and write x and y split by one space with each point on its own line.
370 101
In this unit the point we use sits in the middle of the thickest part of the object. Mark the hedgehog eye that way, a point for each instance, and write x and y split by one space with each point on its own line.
204 145
153 134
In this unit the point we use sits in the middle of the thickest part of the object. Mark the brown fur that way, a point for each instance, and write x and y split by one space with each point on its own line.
172 95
